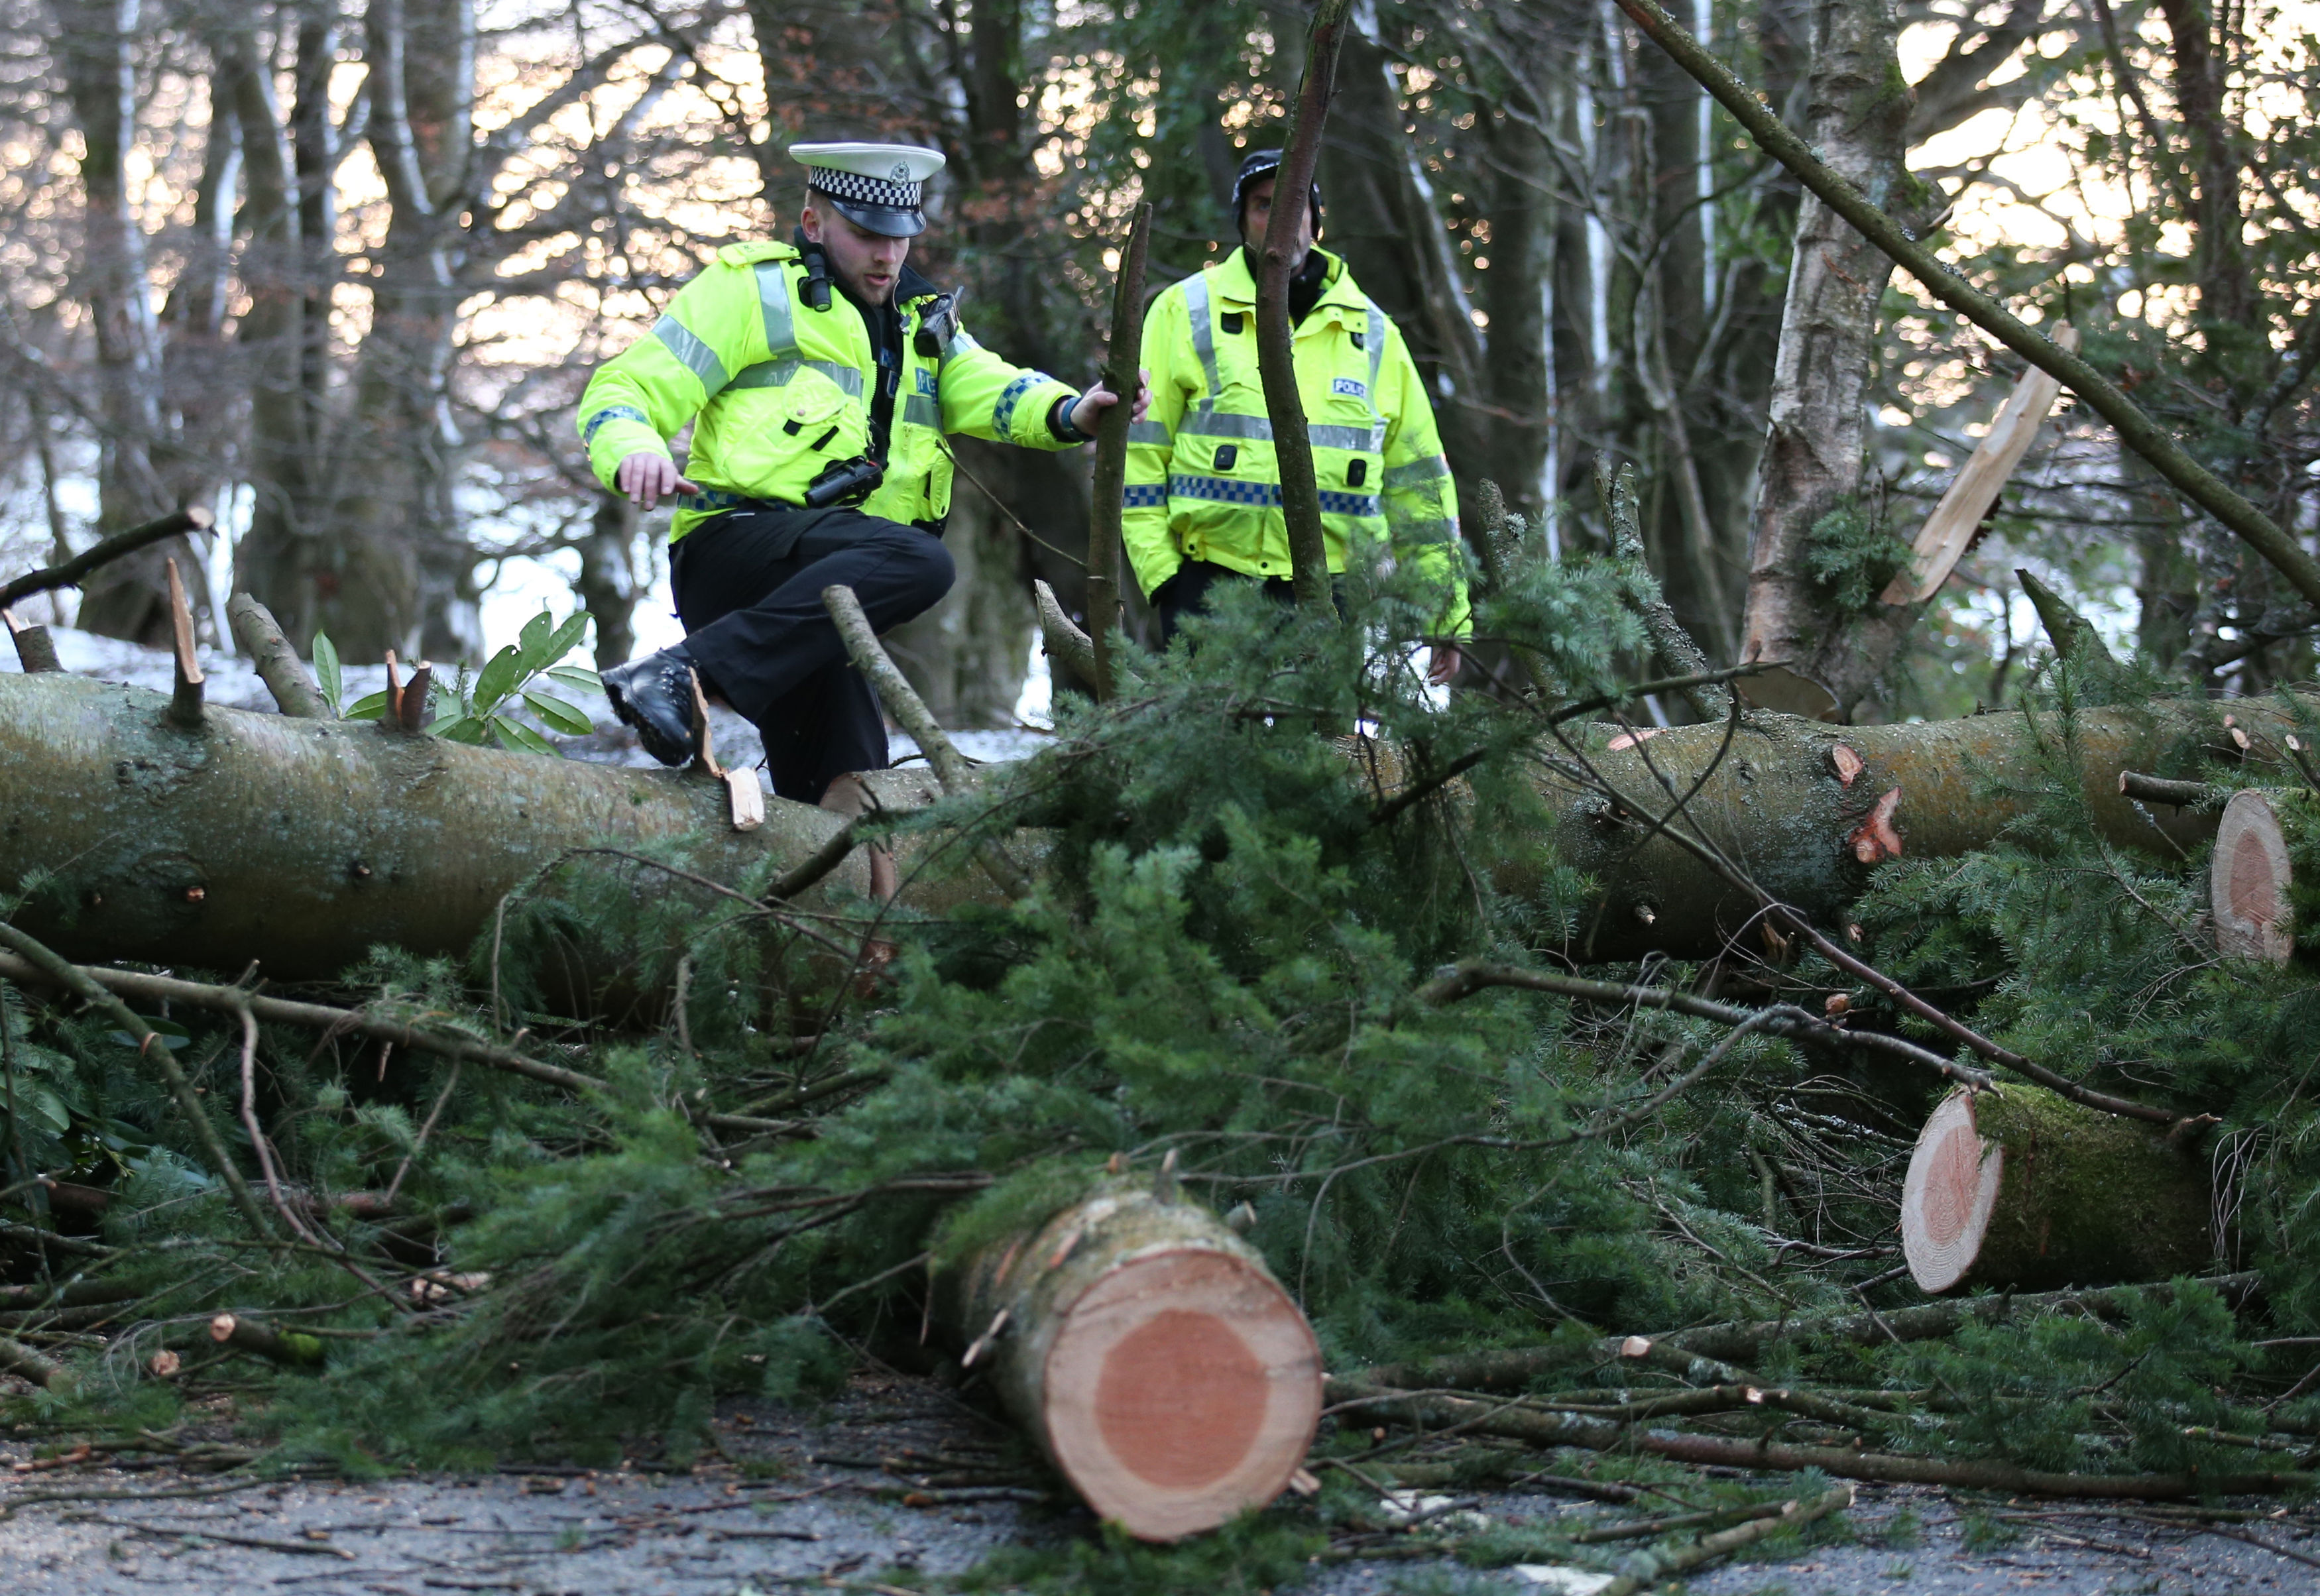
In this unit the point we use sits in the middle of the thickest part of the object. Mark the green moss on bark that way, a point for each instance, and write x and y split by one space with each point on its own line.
2087 1197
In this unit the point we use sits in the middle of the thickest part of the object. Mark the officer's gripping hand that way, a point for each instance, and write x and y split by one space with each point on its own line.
1441 663
647 478
1098 399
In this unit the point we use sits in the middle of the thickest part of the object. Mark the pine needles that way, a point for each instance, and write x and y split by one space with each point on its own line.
1223 959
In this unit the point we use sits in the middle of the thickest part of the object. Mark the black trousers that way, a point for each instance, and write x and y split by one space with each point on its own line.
1187 592
748 589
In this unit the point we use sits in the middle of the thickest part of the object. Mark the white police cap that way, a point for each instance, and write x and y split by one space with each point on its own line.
877 187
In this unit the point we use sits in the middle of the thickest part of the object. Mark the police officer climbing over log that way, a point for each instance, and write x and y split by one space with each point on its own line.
819 377
1203 497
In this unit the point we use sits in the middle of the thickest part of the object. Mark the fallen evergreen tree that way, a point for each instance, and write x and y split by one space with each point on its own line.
1340 1013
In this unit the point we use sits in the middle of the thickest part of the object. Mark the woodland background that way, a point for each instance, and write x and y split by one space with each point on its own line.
341 270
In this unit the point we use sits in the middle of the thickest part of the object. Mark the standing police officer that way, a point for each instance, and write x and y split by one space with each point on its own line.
819 377
1203 497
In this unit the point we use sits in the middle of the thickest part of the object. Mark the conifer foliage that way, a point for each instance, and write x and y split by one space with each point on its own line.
1238 877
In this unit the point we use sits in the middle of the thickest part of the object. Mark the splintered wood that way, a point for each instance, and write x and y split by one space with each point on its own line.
185 703
1943 541
744 799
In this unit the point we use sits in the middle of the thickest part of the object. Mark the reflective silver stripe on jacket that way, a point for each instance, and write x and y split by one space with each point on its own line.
1204 336
920 410
1376 340
1147 432
779 374
774 299
1212 423
693 355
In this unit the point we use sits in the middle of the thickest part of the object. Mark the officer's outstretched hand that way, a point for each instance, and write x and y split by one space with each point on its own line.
1442 663
647 478
1098 399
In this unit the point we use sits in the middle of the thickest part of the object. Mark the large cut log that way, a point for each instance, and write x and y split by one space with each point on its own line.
1149 1353
301 843
1809 808
2016 1187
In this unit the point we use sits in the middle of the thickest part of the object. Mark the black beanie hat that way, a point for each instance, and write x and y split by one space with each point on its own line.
1263 163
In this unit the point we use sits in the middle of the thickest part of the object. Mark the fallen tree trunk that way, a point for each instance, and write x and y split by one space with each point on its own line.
301 844
1150 1354
2015 1186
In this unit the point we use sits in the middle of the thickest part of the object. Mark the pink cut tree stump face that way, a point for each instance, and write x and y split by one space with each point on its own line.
1182 1388
1948 1196
1181 1399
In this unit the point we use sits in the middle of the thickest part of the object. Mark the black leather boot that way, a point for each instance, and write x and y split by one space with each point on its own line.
655 696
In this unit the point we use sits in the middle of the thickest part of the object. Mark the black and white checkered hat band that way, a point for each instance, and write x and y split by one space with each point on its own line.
862 190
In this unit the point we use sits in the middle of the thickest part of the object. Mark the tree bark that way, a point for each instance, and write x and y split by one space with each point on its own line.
1812 466
312 841
394 572
95 44
2016 1187
1148 1352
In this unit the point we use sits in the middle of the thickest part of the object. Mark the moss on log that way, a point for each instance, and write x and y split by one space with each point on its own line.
2017 1187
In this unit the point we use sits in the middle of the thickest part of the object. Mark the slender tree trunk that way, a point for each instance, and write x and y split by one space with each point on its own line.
198 375
1518 296
1381 219
1813 465
608 585
275 559
392 570
95 45
2202 68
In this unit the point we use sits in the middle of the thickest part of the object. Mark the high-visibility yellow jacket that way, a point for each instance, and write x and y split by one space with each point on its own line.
776 390
1203 482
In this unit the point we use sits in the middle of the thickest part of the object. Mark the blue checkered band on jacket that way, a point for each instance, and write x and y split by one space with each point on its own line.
1011 396
611 412
862 190
1143 495
1226 490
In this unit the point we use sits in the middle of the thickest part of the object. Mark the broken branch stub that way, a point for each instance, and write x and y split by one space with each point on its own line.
278 666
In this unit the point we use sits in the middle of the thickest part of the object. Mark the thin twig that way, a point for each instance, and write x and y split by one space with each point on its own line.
69 573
